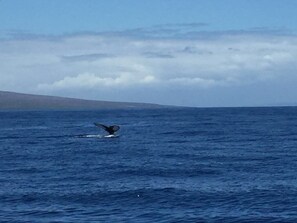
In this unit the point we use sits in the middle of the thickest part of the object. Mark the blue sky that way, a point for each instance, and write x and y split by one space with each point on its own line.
181 52
69 16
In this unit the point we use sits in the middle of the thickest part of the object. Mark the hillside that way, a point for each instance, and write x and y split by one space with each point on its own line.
18 101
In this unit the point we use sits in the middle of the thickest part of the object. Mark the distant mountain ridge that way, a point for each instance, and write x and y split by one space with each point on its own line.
19 101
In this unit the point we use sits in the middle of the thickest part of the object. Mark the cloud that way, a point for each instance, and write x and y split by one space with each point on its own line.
88 80
163 31
157 55
126 60
86 57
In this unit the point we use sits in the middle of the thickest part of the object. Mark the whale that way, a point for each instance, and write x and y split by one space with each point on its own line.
110 129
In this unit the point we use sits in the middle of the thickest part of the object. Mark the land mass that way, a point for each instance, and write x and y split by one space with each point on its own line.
18 102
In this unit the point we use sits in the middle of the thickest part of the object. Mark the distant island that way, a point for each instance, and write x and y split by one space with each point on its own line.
18 102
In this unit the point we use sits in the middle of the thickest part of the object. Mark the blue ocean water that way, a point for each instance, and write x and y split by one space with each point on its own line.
167 165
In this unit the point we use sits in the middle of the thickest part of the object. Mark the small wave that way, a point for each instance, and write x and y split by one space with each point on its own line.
25 128
174 172
90 136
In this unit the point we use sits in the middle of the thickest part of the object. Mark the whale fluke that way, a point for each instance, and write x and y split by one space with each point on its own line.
110 129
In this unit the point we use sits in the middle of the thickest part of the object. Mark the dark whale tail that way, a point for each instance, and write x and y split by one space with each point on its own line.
110 129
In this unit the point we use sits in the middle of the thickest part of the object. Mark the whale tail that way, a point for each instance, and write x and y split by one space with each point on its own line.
110 129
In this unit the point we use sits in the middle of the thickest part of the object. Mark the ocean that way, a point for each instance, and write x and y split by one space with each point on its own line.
166 165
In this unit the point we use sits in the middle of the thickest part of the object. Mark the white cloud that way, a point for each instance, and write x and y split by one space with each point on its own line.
98 61
88 80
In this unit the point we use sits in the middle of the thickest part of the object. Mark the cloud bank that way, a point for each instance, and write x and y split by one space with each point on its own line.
137 64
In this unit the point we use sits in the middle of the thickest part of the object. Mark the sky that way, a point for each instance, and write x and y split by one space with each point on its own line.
198 53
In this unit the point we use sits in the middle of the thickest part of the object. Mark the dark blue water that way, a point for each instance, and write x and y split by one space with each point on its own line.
167 165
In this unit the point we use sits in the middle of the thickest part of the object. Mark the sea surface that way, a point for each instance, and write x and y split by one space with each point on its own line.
166 165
